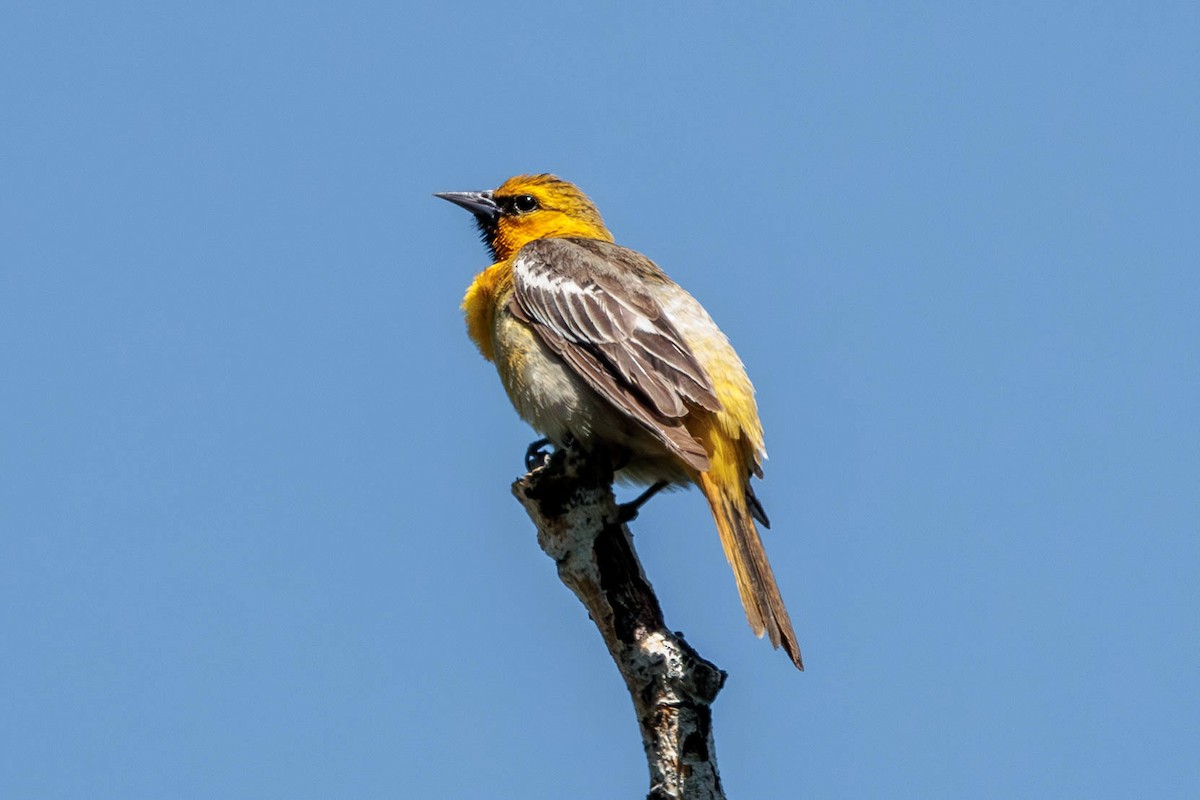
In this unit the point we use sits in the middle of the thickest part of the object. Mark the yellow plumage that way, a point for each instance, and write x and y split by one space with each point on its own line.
595 345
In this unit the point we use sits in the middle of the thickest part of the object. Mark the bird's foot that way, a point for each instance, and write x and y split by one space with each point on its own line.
627 512
537 454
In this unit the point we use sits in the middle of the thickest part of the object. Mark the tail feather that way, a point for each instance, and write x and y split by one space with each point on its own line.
756 508
751 570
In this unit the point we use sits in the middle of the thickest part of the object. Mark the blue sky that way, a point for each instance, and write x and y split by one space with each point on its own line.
257 537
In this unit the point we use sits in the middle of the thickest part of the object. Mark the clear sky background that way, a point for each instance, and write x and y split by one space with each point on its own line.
256 536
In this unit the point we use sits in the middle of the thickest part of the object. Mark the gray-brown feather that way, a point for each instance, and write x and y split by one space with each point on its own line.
589 303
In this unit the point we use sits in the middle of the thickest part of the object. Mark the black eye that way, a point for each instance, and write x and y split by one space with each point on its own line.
524 203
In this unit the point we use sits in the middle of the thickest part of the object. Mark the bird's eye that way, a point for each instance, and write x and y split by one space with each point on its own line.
524 203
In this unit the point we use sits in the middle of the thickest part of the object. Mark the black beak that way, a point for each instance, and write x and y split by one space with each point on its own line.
480 204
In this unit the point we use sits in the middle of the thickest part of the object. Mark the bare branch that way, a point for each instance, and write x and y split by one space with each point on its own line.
571 502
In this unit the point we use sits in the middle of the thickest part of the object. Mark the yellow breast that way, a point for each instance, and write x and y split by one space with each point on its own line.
485 294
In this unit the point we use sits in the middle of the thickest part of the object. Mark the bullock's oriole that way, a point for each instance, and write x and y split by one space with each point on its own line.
598 348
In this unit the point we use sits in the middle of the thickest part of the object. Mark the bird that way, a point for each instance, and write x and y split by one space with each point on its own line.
598 349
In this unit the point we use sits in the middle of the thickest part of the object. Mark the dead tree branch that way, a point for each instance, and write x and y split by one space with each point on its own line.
571 502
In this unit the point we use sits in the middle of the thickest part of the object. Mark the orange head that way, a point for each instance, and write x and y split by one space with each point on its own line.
529 207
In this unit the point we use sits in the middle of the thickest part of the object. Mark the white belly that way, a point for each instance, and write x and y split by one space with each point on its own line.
545 392
560 405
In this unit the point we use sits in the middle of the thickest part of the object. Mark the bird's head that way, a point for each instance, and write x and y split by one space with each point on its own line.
529 207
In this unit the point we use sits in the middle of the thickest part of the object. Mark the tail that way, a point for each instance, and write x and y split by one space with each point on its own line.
728 495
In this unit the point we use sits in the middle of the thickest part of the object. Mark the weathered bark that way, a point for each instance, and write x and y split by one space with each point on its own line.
571 502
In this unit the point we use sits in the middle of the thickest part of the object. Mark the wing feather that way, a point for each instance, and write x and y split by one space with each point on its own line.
588 301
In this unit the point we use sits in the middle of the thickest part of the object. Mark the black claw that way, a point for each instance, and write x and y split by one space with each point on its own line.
537 454
627 512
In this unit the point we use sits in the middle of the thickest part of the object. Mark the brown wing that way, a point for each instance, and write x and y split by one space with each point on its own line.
591 303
